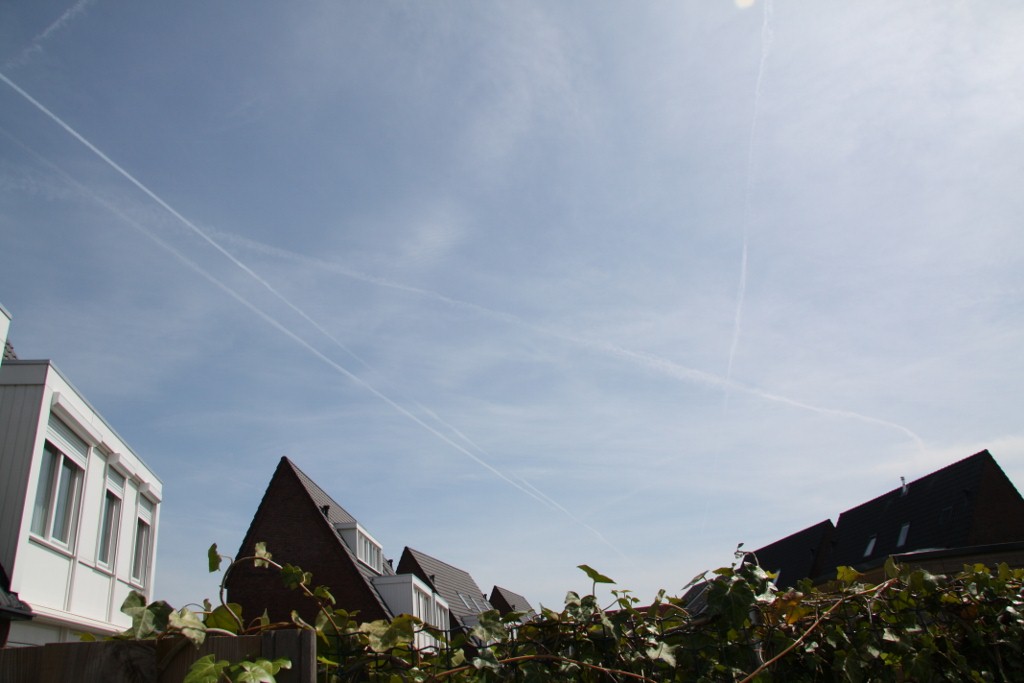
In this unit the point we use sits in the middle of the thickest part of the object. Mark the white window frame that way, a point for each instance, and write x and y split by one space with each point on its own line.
58 493
142 545
368 552
110 524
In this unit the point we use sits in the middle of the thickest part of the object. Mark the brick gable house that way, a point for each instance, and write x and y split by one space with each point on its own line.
304 526
966 512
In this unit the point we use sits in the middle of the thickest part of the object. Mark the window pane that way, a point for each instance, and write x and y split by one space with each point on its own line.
108 532
44 493
140 561
67 501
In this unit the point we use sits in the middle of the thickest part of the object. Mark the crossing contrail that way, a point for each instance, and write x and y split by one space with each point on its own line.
524 488
648 361
36 44
737 326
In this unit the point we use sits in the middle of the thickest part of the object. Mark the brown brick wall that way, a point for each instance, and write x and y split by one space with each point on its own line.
998 511
297 533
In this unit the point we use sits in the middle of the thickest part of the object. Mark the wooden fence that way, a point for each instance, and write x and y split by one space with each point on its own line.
146 661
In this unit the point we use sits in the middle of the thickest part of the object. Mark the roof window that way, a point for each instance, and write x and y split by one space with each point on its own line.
904 530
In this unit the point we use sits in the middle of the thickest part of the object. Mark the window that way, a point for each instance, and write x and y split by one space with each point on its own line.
369 553
140 561
108 531
55 513
143 542
110 522
902 540
871 546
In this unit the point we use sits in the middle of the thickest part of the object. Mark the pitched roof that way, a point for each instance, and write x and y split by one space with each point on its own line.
334 514
9 353
464 597
506 601
302 522
798 555
935 511
333 511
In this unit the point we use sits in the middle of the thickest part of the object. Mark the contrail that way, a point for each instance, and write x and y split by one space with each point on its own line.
36 45
528 490
662 366
766 46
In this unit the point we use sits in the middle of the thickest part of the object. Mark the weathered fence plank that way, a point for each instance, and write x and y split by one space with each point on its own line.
146 661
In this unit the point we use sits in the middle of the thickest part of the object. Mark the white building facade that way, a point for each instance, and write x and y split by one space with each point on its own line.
79 510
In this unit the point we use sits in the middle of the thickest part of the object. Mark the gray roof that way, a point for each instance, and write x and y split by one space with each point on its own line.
456 586
797 556
9 353
939 510
506 601
335 514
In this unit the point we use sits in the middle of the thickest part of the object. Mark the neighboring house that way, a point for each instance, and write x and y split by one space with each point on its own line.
798 555
505 601
465 599
79 510
966 512
303 526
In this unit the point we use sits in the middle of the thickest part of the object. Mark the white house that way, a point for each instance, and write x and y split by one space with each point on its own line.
79 510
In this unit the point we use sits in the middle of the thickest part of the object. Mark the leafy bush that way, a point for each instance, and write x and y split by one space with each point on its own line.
913 626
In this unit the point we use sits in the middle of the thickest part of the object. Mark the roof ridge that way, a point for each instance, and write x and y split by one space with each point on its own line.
977 459
431 557
314 490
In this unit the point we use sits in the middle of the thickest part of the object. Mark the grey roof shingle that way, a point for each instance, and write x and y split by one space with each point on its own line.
464 597
335 513
797 556
940 510
506 601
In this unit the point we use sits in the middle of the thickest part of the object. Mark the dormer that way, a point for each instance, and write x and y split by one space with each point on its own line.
365 547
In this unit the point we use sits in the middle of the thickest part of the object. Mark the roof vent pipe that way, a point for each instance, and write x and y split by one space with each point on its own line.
903 486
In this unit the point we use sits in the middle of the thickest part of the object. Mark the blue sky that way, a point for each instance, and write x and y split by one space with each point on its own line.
523 285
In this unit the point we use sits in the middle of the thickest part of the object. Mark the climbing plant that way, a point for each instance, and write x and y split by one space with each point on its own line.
912 626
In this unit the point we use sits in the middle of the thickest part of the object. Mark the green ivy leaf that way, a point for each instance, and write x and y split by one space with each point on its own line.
214 558
323 594
261 670
294 577
490 627
188 624
206 670
222 617
664 652
262 556
594 575
147 620
847 575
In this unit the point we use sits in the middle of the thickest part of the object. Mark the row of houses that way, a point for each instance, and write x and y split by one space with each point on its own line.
80 515
303 524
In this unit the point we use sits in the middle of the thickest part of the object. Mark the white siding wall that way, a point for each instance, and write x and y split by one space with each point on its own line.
399 594
72 590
